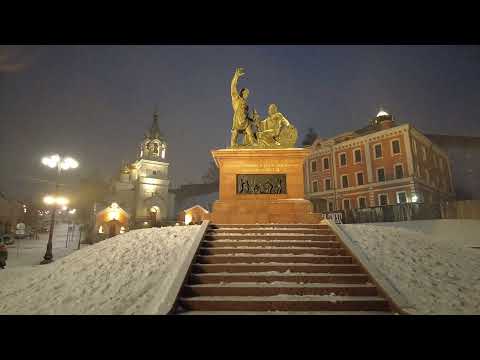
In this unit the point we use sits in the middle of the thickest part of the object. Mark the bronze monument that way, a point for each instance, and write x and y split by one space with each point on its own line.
275 131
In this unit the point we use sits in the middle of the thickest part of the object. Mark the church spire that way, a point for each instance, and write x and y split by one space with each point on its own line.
155 132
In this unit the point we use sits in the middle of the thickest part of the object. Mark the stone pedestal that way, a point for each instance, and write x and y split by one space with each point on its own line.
287 207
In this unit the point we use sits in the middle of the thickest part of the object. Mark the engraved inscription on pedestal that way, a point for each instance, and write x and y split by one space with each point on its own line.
261 184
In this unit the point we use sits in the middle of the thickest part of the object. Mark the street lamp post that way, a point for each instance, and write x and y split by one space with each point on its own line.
55 161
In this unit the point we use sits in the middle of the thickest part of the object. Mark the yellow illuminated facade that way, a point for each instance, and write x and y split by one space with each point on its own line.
142 188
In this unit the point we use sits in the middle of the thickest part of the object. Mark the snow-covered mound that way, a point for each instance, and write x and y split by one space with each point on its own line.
131 273
434 264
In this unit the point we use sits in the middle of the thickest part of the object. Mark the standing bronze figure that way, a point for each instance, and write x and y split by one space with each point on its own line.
241 122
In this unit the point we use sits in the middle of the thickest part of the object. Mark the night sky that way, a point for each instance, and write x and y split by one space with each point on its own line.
96 102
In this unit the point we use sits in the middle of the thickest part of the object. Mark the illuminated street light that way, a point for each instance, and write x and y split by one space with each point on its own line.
60 163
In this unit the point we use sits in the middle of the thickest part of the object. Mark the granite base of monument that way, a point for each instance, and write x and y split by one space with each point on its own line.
262 186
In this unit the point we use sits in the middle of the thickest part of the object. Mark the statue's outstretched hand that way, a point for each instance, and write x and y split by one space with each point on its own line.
239 72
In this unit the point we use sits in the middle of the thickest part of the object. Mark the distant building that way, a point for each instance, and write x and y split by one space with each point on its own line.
380 164
142 188
11 213
464 152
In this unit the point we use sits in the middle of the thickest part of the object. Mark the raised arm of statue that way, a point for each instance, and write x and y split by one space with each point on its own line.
239 72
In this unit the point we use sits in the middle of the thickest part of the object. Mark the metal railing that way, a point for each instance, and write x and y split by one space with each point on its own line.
388 213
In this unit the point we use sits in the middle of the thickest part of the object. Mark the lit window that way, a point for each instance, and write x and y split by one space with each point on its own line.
401 197
100 229
163 154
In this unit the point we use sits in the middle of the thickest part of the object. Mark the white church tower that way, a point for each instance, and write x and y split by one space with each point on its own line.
145 183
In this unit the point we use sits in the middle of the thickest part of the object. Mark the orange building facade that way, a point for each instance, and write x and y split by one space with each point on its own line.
378 165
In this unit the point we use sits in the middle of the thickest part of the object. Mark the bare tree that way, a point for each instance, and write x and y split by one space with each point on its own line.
212 175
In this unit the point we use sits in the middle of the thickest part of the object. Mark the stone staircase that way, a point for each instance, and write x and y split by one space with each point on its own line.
277 269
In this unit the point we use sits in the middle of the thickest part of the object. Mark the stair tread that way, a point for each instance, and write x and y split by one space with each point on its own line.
277 273
286 313
280 284
276 264
267 247
283 298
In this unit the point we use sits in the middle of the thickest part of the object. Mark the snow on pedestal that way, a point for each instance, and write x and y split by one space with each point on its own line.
127 274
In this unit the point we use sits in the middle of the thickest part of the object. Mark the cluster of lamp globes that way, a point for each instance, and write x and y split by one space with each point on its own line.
56 160
61 163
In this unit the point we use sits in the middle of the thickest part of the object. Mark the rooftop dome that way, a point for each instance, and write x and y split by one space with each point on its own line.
382 113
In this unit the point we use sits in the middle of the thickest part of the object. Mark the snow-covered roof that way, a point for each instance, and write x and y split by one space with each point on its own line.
196 206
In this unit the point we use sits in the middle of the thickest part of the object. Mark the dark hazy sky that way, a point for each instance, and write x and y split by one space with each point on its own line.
96 102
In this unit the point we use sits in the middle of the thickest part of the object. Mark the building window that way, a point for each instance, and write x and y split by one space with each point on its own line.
383 199
378 151
330 206
360 178
362 202
396 147
346 204
326 163
381 174
328 184
357 156
345 181
315 186
313 165
398 171
154 172
401 197
343 159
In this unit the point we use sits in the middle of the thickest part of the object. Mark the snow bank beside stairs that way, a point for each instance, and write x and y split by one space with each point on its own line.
432 263
133 273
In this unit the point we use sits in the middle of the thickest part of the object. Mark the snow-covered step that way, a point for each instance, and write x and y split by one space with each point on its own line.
274 258
270 277
285 303
259 289
278 231
283 267
268 226
271 243
272 250
270 236
318 313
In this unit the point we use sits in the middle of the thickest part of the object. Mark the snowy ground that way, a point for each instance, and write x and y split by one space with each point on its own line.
126 274
25 252
433 263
